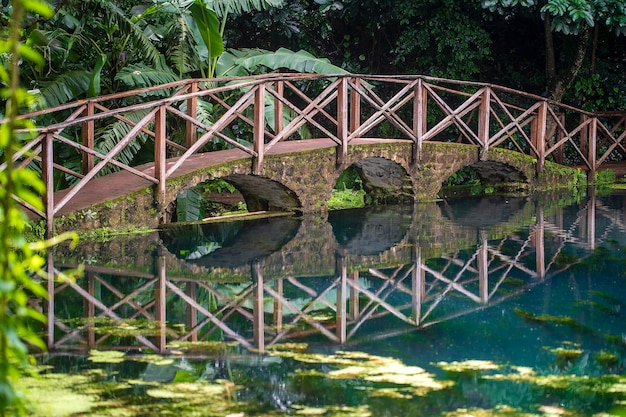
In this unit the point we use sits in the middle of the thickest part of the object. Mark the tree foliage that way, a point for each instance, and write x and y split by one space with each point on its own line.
568 18
442 38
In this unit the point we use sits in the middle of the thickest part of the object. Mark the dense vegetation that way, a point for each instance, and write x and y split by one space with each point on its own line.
18 258
576 52
572 50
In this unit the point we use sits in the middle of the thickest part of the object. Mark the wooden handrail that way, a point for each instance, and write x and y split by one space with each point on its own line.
348 107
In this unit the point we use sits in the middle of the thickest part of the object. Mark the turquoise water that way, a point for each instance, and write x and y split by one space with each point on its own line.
486 306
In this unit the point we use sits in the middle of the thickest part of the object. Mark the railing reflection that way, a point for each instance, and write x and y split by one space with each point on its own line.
112 308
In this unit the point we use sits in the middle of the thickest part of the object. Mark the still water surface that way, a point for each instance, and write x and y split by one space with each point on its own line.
485 306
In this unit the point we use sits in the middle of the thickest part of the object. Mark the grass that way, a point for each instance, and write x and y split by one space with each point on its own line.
345 199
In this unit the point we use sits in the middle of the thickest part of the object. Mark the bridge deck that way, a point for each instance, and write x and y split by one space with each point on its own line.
122 183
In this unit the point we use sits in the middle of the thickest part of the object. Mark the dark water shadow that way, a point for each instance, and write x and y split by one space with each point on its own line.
372 230
482 212
230 244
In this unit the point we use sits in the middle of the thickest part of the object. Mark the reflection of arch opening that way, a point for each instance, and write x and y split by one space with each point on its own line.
384 181
470 212
263 194
229 244
371 231
485 175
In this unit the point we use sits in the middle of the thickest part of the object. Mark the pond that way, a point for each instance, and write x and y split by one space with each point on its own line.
482 306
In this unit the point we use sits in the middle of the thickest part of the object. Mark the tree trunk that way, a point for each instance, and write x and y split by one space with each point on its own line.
558 82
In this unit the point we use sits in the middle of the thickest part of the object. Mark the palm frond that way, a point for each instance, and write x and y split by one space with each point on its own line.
138 38
227 64
254 61
205 112
111 134
139 76
181 53
178 32
64 88
223 7
189 205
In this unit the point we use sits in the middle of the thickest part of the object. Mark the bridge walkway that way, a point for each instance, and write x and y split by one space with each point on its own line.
122 183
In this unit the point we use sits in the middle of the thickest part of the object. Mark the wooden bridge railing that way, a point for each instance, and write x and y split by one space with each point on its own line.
76 142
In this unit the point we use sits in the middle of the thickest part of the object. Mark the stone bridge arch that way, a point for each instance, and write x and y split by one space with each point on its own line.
302 181
259 192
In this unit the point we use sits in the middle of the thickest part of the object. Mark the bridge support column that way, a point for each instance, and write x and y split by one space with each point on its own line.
47 168
591 220
483 123
160 301
538 241
259 129
342 120
341 304
420 112
192 312
88 134
192 107
418 285
160 158
258 312
538 135
483 268
592 157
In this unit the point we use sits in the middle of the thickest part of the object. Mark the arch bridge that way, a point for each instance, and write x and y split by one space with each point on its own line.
284 139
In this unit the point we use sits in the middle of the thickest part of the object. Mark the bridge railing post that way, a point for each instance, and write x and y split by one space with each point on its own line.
355 105
47 173
420 111
592 151
589 231
538 240
538 134
418 285
258 307
584 136
279 119
341 302
88 134
259 129
160 302
483 123
160 158
342 120
483 268
192 110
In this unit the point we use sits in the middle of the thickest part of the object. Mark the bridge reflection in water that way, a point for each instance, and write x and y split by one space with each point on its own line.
360 275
